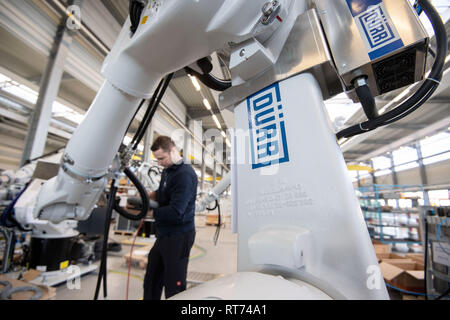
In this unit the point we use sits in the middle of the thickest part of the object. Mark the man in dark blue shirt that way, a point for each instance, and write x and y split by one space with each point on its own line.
174 220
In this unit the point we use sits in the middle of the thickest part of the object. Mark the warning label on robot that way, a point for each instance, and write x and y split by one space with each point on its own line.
267 128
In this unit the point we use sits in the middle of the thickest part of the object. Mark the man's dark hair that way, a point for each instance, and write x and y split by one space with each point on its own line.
164 143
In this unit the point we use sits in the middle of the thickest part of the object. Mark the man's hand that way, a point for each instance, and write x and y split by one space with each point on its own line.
152 195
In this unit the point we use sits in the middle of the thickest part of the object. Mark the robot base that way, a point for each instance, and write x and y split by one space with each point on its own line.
50 254
253 286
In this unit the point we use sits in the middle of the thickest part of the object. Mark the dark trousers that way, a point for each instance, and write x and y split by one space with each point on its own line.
167 266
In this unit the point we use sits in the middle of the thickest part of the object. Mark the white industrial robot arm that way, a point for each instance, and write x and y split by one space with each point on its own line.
284 62
213 194
149 175
172 34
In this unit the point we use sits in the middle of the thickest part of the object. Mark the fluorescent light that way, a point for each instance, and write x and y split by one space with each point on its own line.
206 103
195 83
217 121
224 134
228 143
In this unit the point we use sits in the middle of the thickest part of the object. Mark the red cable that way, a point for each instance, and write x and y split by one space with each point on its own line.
131 254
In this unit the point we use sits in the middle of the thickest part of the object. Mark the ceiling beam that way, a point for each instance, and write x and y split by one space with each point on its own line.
376 141
407 126
199 114
417 135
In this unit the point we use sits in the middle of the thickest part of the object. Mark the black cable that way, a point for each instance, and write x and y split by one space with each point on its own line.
131 12
209 80
102 273
432 52
135 9
113 205
144 197
219 223
412 109
134 14
424 92
153 110
148 112
367 101
135 114
391 116
212 209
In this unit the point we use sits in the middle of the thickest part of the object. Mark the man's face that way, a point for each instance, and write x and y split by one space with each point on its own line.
164 158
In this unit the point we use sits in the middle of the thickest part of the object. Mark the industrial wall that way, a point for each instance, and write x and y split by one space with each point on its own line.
437 175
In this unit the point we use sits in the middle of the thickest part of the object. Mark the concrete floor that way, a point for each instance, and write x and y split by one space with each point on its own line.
207 262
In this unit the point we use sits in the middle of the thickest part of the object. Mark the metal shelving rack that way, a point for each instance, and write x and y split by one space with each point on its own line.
382 219
437 260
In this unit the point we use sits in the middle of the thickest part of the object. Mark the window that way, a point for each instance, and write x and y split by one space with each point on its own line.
403 157
439 197
440 157
3 79
380 163
21 91
382 172
406 166
436 148
25 93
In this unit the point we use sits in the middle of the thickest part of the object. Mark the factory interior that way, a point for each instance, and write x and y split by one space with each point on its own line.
349 199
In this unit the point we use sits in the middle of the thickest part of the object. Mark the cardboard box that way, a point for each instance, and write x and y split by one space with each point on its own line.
417 257
382 250
213 219
406 275
382 256
401 263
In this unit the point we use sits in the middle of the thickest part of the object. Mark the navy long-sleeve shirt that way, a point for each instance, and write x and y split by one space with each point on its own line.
176 197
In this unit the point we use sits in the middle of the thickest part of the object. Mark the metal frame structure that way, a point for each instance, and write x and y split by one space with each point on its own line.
437 274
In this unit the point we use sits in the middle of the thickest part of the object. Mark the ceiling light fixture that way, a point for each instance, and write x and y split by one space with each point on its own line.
217 121
195 83
206 104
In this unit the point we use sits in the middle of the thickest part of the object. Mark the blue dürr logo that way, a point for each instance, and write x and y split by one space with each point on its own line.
377 30
267 128
376 27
